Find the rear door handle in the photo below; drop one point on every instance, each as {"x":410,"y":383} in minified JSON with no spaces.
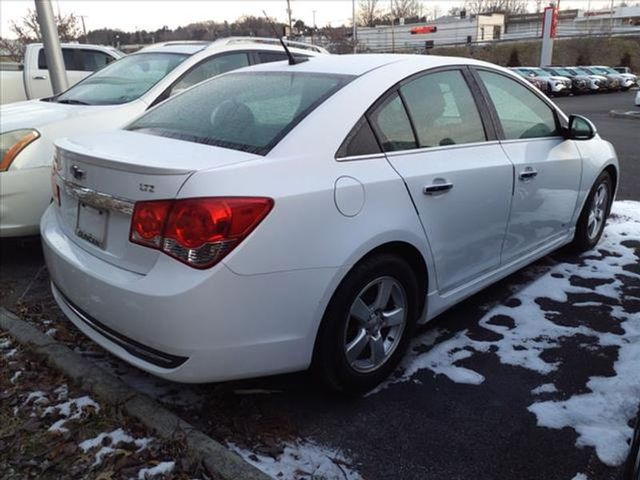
{"x":437,"y":188}
{"x":528,"y":173}
{"x":40,"y":77}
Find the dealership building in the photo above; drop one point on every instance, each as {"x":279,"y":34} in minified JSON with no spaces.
{"x":481,"y":28}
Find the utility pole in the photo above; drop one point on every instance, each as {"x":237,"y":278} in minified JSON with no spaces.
{"x":355,"y":26}
{"x":55,"y":62}
{"x":289,"y":14}
{"x":84,"y":28}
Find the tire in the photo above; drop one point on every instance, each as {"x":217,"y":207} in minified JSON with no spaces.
{"x":632,"y":470}
{"x":347,"y":325}
{"x":587,"y":235}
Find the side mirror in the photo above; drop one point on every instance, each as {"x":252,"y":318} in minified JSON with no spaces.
{"x":580,"y":128}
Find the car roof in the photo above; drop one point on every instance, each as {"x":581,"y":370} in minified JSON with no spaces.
{"x":191,"y":47}
{"x":359,"y":64}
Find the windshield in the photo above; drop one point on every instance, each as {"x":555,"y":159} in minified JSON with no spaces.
{"x":563,"y":72}
{"x":123,"y":80}
{"x":605,"y":70}
{"x":249,"y":111}
{"x":581,"y":71}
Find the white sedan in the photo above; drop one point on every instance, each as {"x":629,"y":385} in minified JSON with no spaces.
{"x":106,"y":100}
{"x":288,"y":216}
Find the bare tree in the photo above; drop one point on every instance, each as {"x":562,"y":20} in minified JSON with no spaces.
{"x":489,"y":6}
{"x":27,"y":30}
{"x":406,"y":8}
{"x":369,"y":13}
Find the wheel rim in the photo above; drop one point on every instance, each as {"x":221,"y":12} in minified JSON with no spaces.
{"x":375,"y":324}
{"x":597,"y":212}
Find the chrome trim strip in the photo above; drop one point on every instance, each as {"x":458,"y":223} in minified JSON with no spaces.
{"x":98,"y":199}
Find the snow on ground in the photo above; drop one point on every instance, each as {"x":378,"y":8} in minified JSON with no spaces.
{"x":160,"y":469}
{"x":72,"y":409}
{"x":302,"y":460}
{"x":600,"y":417}
{"x":108,"y":441}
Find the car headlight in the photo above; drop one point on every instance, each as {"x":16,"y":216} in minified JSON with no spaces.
{"x":12,"y":143}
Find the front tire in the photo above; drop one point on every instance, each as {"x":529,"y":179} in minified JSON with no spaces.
{"x":594,"y":214}
{"x":368,"y":324}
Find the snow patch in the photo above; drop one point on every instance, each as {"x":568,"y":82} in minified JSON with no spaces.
{"x":304,"y":459}
{"x":580,"y":476}
{"x":115,"y":437}
{"x":70,"y":410}
{"x":545,"y":388}
{"x":16,"y":376}
{"x":161,"y":468}
{"x":600,"y":417}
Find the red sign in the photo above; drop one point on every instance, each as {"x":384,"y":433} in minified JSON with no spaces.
{"x":554,"y":20}
{"x":425,"y":29}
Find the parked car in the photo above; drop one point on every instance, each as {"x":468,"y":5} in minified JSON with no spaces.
{"x":537,"y":82}
{"x":626,"y":80}
{"x":623,"y":70}
{"x":281,"y":217}
{"x":579,"y":83}
{"x":614,"y":81}
{"x":32,"y":80}
{"x":604,"y":84}
{"x":557,"y":85}
{"x":106,"y":100}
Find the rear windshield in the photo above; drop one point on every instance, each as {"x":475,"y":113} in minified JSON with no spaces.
{"x":250,"y":111}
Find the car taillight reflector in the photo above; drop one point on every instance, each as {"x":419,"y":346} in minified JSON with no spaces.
{"x":197,"y":231}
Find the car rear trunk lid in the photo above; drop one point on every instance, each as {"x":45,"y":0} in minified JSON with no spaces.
{"x":101,"y":177}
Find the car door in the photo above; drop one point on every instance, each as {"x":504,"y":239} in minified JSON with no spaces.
{"x":40,"y":84}
{"x":459,"y":178}
{"x":547,"y":167}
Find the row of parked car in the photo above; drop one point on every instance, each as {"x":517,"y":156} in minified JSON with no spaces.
{"x":557,"y":80}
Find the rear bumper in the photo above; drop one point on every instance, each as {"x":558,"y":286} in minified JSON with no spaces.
{"x":24,"y":196}
{"x":213,"y":324}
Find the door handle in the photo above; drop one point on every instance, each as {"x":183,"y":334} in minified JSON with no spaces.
{"x":437,"y":188}
{"x":528,"y":173}
{"x":40,"y":77}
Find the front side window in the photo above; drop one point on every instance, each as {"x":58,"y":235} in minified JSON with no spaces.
{"x":248,"y":111}
{"x":68,"y":56}
{"x":521,"y":112}
{"x":443,"y":110}
{"x":123,"y":80}
{"x":392,"y":126}
{"x":210,"y":68}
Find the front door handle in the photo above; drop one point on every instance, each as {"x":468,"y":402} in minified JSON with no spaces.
{"x":40,"y":77}
{"x":437,"y":188}
{"x":528,"y":173}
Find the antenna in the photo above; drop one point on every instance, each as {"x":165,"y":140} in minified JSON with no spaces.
{"x":292,"y":59}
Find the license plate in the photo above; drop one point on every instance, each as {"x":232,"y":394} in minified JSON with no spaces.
{"x":92,"y":224}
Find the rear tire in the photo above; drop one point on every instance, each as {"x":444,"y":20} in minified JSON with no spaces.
{"x":594,"y":214}
{"x":367,"y":325}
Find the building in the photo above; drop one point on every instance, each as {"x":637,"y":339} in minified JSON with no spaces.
{"x":447,"y":31}
{"x":572,"y":23}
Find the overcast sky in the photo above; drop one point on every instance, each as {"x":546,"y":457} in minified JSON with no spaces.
{"x":130,"y":15}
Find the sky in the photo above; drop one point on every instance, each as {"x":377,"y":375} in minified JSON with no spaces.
{"x":129,"y":15}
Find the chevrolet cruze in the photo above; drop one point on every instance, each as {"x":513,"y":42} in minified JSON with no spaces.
{"x":283,"y":217}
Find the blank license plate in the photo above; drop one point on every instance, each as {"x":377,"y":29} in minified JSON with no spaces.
{"x":92,"y":224}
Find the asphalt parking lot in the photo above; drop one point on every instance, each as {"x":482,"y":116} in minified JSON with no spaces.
{"x":526,"y":380}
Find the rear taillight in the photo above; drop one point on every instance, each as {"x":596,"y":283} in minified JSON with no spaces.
{"x":197,"y":231}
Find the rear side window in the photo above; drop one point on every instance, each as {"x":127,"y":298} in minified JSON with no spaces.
{"x":71,"y":60}
{"x":210,"y":68}
{"x":267,"y":57}
{"x":520,"y":111}
{"x":392,"y":126}
{"x":248,"y":111}
{"x":443,"y":110}
{"x":361,"y":141}
{"x":93,"y":60}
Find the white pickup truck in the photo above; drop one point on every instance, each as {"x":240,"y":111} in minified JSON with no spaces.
{"x":32,"y":79}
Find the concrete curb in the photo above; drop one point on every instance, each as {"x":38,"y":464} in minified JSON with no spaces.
{"x":634,"y":114}
{"x":111,"y":390}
